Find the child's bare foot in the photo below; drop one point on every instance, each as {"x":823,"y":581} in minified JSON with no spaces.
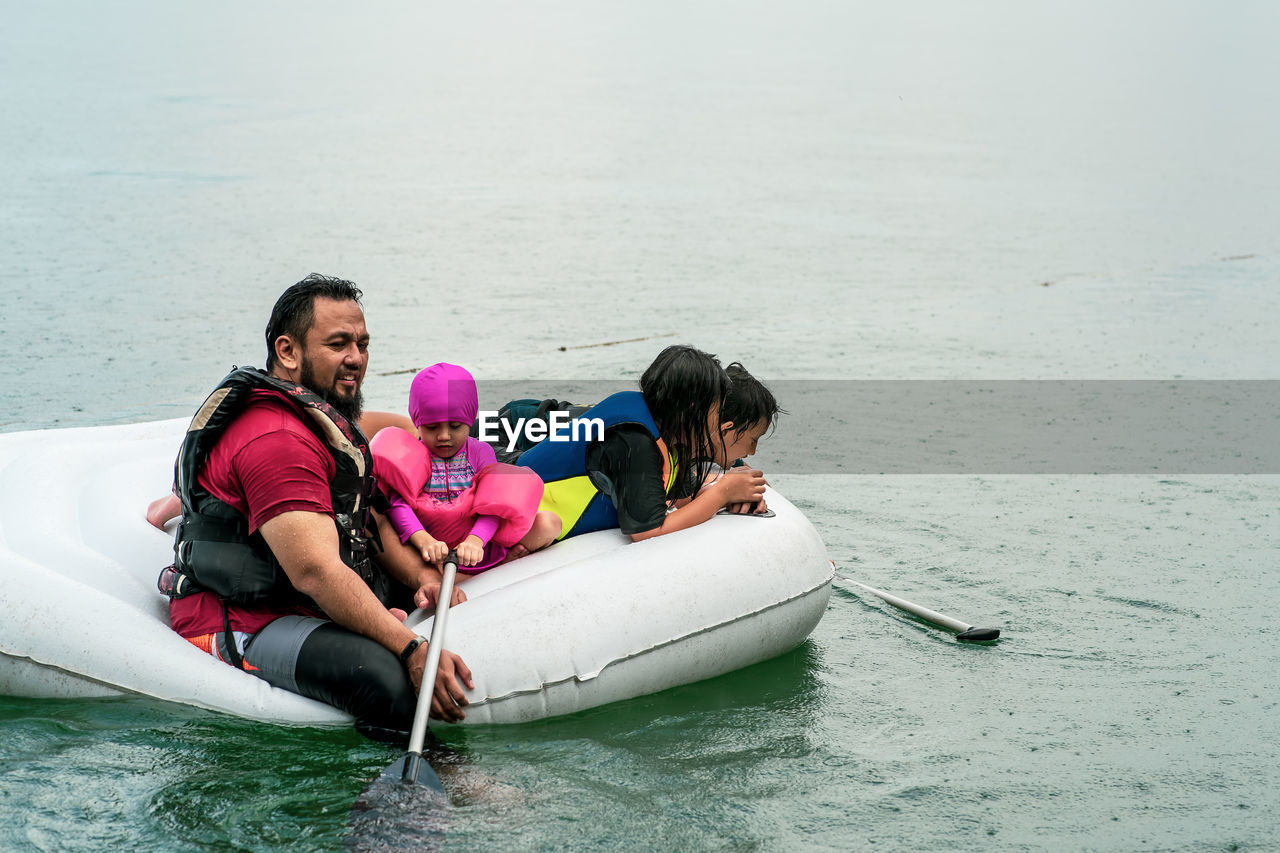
{"x":515,"y":552}
{"x":163,"y":510}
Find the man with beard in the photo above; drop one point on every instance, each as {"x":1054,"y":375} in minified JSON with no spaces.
{"x":272,"y":572}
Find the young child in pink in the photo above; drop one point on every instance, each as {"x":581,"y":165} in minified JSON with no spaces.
{"x":447,"y":490}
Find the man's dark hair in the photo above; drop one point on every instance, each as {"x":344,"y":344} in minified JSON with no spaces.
{"x":748,"y":402}
{"x":295,"y":310}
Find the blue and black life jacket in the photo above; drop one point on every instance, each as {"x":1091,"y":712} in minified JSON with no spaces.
{"x":584,"y":501}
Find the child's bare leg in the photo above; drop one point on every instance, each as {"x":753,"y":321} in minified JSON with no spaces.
{"x":545,"y":529}
{"x":163,"y":510}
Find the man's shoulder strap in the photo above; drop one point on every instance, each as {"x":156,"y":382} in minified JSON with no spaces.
{"x":343,"y":437}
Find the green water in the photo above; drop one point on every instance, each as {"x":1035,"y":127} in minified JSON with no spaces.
{"x":1129,"y":705}
{"x":825,"y":191}
{"x":94,"y":775}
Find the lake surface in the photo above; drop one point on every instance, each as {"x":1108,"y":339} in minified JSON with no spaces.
{"x":550,"y":193}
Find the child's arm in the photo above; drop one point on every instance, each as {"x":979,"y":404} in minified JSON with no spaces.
{"x":471,"y":549}
{"x":716,"y":473}
{"x":403,"y":518}
{"x":733,"y":488}
{"x":406,"y":565}
{"x":629,"y":460}
{"x":411,"y":532}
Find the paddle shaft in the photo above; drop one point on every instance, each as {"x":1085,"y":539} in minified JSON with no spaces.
{"x":963,"y":630}
{"x":924,"y":613}
{"x":418,"y":734}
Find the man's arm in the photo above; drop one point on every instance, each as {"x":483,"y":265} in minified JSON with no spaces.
{"x":306,"y":544}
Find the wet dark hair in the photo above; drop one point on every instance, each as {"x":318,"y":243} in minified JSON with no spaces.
{"x":295,"y":310}
{"x":680,"y":388}
{"x":748,"y":402}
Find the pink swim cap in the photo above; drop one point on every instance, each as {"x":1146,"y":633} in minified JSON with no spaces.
{"x":443,"y":392}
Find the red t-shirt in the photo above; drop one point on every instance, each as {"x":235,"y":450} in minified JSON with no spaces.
{"x":267,"y":463}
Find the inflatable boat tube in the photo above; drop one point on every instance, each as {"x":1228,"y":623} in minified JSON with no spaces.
{"x":591,"y":620}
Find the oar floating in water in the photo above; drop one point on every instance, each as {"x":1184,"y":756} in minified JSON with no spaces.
{"x":963,"y":630}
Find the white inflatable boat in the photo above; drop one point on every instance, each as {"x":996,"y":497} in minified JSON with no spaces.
{"x":591,"y":620}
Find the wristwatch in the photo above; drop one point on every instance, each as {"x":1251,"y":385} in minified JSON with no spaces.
{"x":411,"y":648}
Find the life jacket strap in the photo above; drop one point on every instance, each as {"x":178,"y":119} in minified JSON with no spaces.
{"x":229,"y":638}
{"x":212,"y":529}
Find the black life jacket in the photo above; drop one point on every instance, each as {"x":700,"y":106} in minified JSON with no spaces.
{"x":212,"y":546}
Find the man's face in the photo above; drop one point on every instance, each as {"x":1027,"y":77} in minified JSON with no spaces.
{"x":335,"y":354}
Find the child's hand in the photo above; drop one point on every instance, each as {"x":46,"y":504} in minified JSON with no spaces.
{"x":741,"y":485}
{"x":434,"y":551}
{"x":470,"y":551}
{"x":748,"y":508}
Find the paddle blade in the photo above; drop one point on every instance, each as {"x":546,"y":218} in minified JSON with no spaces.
{"x":413,"y":769}
{"x":979,"y":635}
{"x":395,"y":813}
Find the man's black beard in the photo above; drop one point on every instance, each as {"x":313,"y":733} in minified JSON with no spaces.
{"x":349,"y":409}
